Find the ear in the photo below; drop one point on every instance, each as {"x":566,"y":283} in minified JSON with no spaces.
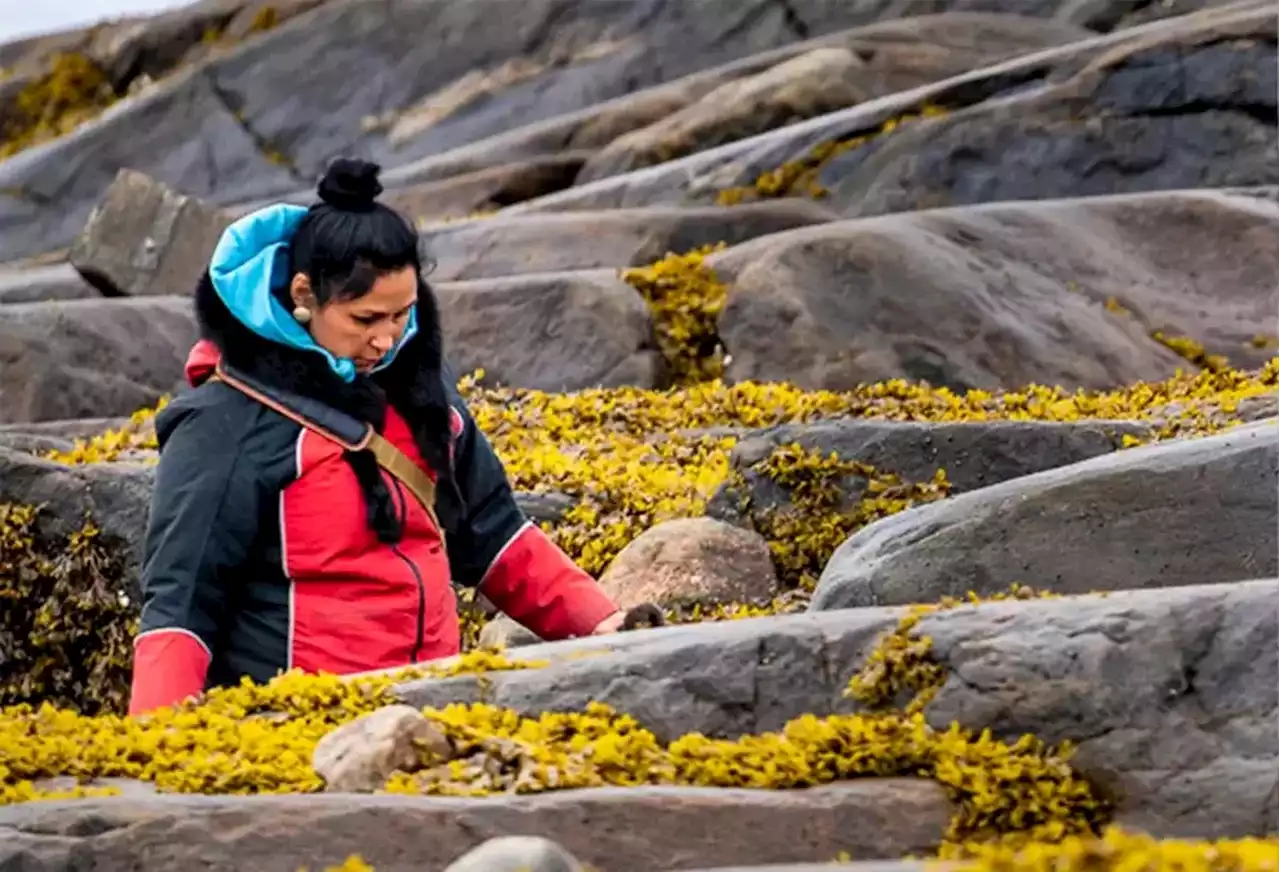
{"x":300,"y":291}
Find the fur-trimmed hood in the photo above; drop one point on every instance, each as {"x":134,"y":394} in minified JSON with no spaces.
{"x":249,"y":261}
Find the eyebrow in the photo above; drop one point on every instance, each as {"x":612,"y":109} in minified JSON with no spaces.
{"x":379,"y":313}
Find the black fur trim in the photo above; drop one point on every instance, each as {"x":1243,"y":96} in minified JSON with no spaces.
{"x":413,"y":383}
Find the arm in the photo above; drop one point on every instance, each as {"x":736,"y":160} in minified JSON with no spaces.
{"x":509,"y":558}
{"x":204,"y":512}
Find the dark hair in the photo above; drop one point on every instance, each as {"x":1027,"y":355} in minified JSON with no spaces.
{"x":348,"y":239}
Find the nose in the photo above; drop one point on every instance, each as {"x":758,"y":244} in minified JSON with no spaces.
{"x":382,"y":342}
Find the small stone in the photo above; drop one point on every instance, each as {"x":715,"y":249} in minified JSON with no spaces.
{"x":691,"y":559}
{"x":505,"y":632}
{"x":516,"y":854}
{"x":360,"y":756}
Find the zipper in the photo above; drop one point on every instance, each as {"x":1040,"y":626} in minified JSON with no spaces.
{"x":417,"y":576}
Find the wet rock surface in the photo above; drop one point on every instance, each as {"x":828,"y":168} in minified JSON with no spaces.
{"x":1183,"y":512}
{"x":627,"y":829}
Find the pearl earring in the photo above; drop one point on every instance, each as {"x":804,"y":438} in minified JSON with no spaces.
{"x":302,"y":314}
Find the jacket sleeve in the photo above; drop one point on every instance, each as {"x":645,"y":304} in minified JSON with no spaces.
{"x":512,"y":561}
{"x":203,"y":520}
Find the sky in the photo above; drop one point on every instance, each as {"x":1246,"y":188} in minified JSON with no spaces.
{"x":20,"y":18}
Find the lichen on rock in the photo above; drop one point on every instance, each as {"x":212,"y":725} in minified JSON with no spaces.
{"x":799,"y":177}
{"x":73,"y":90}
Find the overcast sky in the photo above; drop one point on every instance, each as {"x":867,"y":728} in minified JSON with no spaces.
{"x":26,"y":17}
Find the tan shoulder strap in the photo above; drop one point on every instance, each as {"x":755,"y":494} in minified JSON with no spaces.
{"x":390,"y":458}
{"x":412,"y":476}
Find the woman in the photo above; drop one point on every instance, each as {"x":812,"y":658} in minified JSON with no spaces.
{"x":272,"y":544}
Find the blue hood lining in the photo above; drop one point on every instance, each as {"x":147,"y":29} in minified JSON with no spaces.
{"x":251,"y":260}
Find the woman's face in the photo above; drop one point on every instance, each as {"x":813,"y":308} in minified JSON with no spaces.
{"x":364,"y":329}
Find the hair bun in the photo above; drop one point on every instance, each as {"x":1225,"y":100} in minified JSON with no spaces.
{"x":351,"y":185}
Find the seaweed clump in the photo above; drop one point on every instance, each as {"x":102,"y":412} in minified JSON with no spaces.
{"x":686,"y":298}
{"x":1119,"y":849}
{"x":136,"y":438}
{"x":247,"y":739}
{"x":829,"y":499}
{"x":260,"y":739}
{"x":73,"y":90}
{"x":66,"y":623}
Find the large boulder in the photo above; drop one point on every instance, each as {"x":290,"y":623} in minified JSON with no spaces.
{"x":1193,"y":511}
{"x":182,"y":134}
{"x":503,"y":246}
{"x":487,"y":190}
{"x":1170,"y":695}
{"x":690,"y":560}
{"x":632,"y":829}
{"x":91,"y":358}
{"x":550,"y":331}
{"x":146,"y":239}
{"x":1066,"y":292}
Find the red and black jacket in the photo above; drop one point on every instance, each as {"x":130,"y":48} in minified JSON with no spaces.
{"x":270,"y":547}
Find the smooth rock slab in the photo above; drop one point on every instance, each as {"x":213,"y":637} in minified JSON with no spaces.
{"x":973,"y":454}
{"x":91,"y":358}
{"x":550,"y":331}
{"x":615,"y":829}
{"x":1170,"y":694}
{"x":1054,"y":292}
{"x":58,"y":281}
{"x":1189,"y":511}
{"x":1170,"y":697}
{"x":502,"y":245}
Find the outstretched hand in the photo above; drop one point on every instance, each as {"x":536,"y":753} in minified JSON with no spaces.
{"x":643,"y":615}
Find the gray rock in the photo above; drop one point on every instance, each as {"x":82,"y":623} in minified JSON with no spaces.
{"x":974,"y":454}
{"x":1005,"y":294}
{"x":503,"y":246}
{"x":114,"y":496}
{"x":360,"y":755}
{"x":687,"y":560}
{"x":1167,"y":692}
{"x":1121,"y":117}
{"x":91,"y":358}
{"x":37,"y":284}
{"x":549,"y":507}
{"x":182,"y":134}
{"x":146,"y":239}
{"x":516,"y":854}
{"x":901,"y":50}
{"x":700,"y":177}
{"x":1170,"y":697}
{"x":1192,"y":511}
{"x":550,"y":331}
{"x":619,"y":829}
{"x":505,"y":632}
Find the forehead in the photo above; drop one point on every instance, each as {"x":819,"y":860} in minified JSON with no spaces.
{"x":390,"y":292}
